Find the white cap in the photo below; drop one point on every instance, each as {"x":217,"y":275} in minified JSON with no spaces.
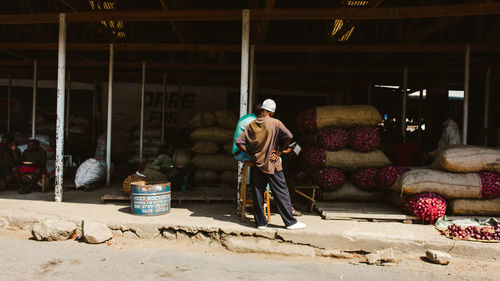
{"x":269,"y":105}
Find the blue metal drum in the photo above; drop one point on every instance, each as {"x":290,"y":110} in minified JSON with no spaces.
{"x":149,"y":198}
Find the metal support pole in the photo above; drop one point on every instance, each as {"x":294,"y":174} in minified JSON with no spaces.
{"x":141,"y":135}
{"x":61,"y":76}
{"x":420,"y":112}
{"x":68,"y":93}
{"x":163,"y":108}
{"x":33,"y":111}
{"x":110,"y":116}
{"x":369,"y":92}
{"x":245,"y":44}
{"x":403,"y":105}
{"x":251,"y":82}
{"x":9,"y":98}
{"x":466,"y":95}
{"x":487,"y":92}
{"x":94,"y":112}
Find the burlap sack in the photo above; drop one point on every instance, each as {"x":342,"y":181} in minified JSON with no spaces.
{"x":228,"y":148}
{"x":448,"y":185}
{"x":181,"y":157}
{"x":350,"y":160}
{"x":215,"y":162}
{"x":347,"y":116}
{"x":205,"y":176}
{"x":470,"y":207}
{"x":229,"y":177}
{"x":349,"y":192}
{"x":129,"y":180}
{"x":205,"y":147}
{"x":203,"y":119}
{"x":467,"y":159}
{"x":226,"y":118}
{"x":214,"y":134}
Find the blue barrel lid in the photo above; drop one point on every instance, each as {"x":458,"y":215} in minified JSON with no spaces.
{"x":143,"y":187}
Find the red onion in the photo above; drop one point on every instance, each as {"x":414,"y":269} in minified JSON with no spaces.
{"x":364,"y":139}
{"x":332,"y":138}
{"x":329,"y":179}
{"x":388,"y":175}
{"x":474,"y":232}
{"x":314,"y":157}
{"x":306,"y":121}
{"x":365,"y":179}
{"x":491,"y":184}
{"x":427,"y":206}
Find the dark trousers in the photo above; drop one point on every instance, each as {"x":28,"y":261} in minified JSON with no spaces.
{"x":280,"y":193}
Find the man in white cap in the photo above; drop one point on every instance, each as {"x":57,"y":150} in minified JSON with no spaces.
{"x":266,"y":138}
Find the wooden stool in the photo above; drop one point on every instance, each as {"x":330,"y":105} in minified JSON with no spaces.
{"x":299,"y":190}
{"x":244,"y":202}
{"x":43,"y":182}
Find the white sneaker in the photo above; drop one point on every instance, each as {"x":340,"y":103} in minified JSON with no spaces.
{"x":262,"y":227}
{"x":297,"y":225}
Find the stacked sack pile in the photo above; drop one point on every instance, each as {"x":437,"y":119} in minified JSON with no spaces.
{"x":151,"y":143}
{"x":345,"y":141}
{"x":213,"y":142}
{"x":467,"y":177}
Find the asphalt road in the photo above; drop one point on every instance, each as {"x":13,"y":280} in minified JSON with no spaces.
{"x":135,"y":259}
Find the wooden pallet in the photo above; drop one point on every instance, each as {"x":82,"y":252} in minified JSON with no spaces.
{"x":206,"y":194}
{"x":366,"y":211}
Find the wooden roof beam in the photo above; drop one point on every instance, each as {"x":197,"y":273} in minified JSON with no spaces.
{"x":433,"y":11}
{"x":352,"y":48}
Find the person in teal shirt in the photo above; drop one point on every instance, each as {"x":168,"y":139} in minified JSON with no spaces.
{"x":240,"y":127}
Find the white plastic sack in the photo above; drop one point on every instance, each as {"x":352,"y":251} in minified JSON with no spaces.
{"x":90,"y":171}
{"x":43,"y":139}
{"x":451,"y":134}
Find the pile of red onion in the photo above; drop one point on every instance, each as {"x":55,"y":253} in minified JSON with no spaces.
{"x":388,"y":175}
{"x":364,"y":139}
{"x":365,"y":179}
{"x":332,"y":138}
{"x":329,"y":179}
{"x":474,"y":232}
{"x":427,"y":206}
{"x":314,"y":157}
{"x":491,"y":184}
{"x":306,"y":121}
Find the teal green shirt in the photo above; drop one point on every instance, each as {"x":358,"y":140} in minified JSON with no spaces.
{"x":240,"y":127}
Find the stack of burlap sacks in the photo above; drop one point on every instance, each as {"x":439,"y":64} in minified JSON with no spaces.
{"x":213,"y":143}
{"x":466,"y":176}
{"x":151,"y":143}
{"x":338,"y":150}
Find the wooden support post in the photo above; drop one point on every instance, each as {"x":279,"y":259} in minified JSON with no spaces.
{"x":141,"y":135}
{"x":68,"y":93}
{"x":61,"y":79}
{"x":33,"y":110}
{"x":109,"y":130}
{"x":163,"y":108}
{"x":9,"y":100}
{"x":245,"y":45}
{"x":487,"y":92}
{"x":466,"y":95}
{"x":403,"y":105}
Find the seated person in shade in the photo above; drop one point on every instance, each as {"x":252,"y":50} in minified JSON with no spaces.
{"x":33,"y":162}
{"x":10,"y":158}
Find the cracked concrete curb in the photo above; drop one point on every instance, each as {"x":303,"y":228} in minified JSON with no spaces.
{"x":273,"y":241}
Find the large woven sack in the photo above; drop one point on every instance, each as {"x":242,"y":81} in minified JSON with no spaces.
{"x":228,"y":148}
{"x":349,"y":192}
{"x":470,"y":207}
{"x":350,"y":160}
{"x":448,"y":185}
{"x":129,"y":180}
{"x":203,"y":119}
{"x":226,"y":118}
{"x":229,"y":177}
{"x":345,"y":116}
{"x":181,"y":157}
{"x":467,"y":159}
{"x":214,"y":134}
{"x":215,"y":162}
{"x":205,"y":147}
{"x":205,"y":176}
